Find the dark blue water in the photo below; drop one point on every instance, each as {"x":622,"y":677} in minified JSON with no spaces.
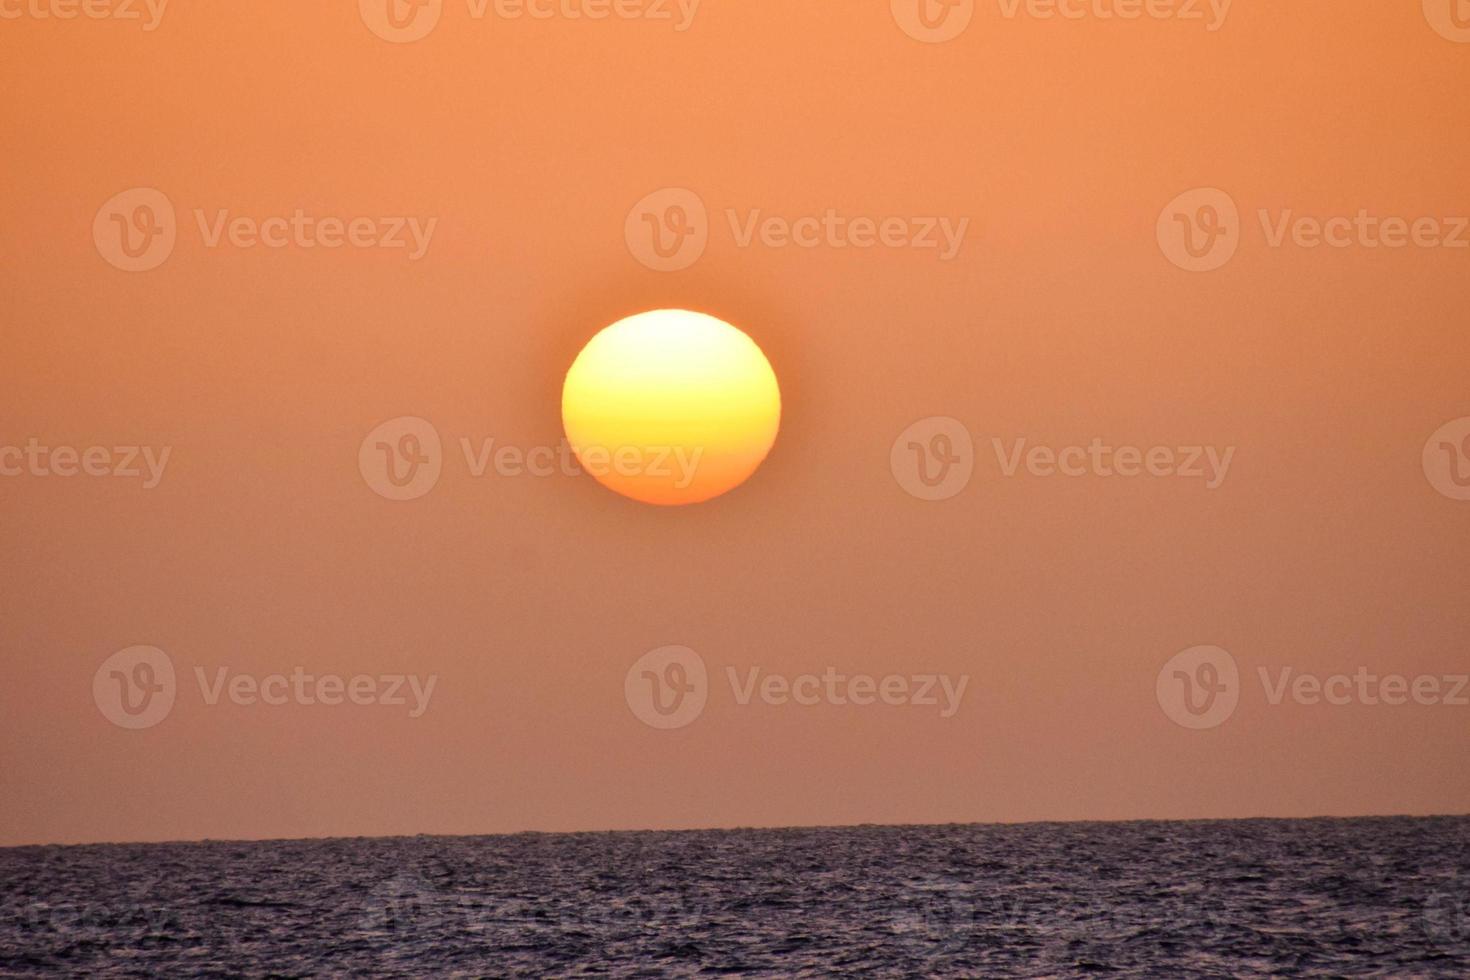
{"x":1370,"y":897}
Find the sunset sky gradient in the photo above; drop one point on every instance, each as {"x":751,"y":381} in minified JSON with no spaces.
{"x":1059,"y":321}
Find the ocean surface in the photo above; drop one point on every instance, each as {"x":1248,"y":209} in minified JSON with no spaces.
{"x":1323,"y":898}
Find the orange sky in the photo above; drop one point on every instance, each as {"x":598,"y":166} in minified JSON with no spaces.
{"x":1059,"y":319}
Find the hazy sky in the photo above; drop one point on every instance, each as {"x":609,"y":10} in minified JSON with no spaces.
{"x":1060,"y":315}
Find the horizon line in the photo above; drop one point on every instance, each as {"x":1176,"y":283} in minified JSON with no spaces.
{"x":739,"y":829}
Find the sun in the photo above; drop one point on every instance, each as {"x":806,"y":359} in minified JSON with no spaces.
{"x":671,"y":407}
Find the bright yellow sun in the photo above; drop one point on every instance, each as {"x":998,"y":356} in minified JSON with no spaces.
{"x":671,"y":407}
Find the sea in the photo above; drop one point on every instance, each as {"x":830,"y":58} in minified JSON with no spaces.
{"x":1380,"y":897}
